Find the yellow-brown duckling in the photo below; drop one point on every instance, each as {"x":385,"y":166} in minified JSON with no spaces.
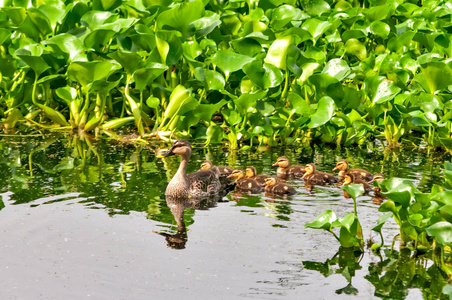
{"x":378,"y":178}
{"x":245,"y":184}
{"x":251,"y":173}
{"x":342,"y":166}
{"x":224,"y":171}
{"x":312,"y":177}
{"x":278,"y":188}
{"x":285,"y":169}
{"x":351,"y":179}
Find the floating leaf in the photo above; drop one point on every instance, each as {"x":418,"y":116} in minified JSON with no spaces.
{"x":229,"y":61}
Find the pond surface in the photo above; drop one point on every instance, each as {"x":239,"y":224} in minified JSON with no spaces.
{"x":80,"y":218}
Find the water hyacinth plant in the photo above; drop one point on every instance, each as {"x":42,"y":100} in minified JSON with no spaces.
{"x":243,"y":72}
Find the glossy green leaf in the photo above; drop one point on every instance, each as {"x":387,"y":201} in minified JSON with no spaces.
{"x":380,"y":29}
{"x":32,"y":56}
{"x":381,"y":221}
{"x":379,"y":89}
{"x":355,"y":47}
{"x":180,"y":102}
{"x":180,"y":16}
{"x":106,"y":4}
{"x":229,"y":61}
{"x":437,"y":74}
{"x":324,"y":112}
{"x":206,"y":24}
{"x":354,"y":190}
{"x":315,"y":7}
{"x":66,"y":44}
{"x":86,"y":73}
{"x":147,"y":74}
{"x":212,"y":80}
{"x":323,"y":221}
{"x":36,"y":25}
{"x":441,"y":232}
{"x":337,"y":68}
{"x":130,"y":61}
{"x":169,"y":47}
{"x":263,"y":75}
{"x":246,"y":101}
{"x":206,"y":111}
{"x":277,"y":52}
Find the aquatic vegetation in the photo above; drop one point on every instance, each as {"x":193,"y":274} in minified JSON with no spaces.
{"x":235,"y":71}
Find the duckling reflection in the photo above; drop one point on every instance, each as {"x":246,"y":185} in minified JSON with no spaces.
{"x":177,"y":206}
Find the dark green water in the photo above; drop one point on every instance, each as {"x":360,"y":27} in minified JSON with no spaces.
{"x":79,"y":219}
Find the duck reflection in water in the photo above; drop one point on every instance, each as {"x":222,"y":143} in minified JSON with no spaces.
{"x":177,"y":206}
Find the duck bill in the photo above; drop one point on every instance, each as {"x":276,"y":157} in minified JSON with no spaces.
{"x":275,"y":164}
{"x":230,"y":176}
{"x":166,"y":154}
{"x":264,"y":184}
{"x":335,"y":168}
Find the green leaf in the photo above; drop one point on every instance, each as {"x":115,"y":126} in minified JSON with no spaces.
{"x":325,"y":110}
{"x":205,"y":111}
{"x":66,"y":44}
{"x":381,"y":221}
{"x":180,"y":102}
{"x":86,"y":73}
{"x":354,"y":190}
{"x":380,"y":90}
{"x":277,"y":52}
{"x":337,"y":68}
{"x":315,"y":7}
{"x":130,"y":61}
{"x":323,"y":221}
{"x":149,"y":73}
{"x":380,"y":29}
{"x":263,"y":75}
{"x":32,"y":56}
{"x":441,"y":232}
{"x":246,"y":101}
{"x":180,"y":16}
{"x":437,"y":74}
{"x":169,"y":47}
{"x":212,"y":80}
{"x":106,"y":4}
{"x":355,"y":47}
{"x":229,"y":61}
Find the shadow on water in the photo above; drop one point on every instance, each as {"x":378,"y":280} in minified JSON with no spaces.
{"x":121,"y":178}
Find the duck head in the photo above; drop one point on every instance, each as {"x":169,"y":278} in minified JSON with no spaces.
{"x":237,"y":173}
{"x":269,"y":181}
{"x":379,"y":177}
{"x":250,"y":172}
{"x":281,"y":162}
{"x":310,"y":169}
{"x":206,"y":165}
{"x":341,"y":165}
{"x":179,"y":147}
{"x":348,"y":179}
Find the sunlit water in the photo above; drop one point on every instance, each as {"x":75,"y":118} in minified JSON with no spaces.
{"x":80,"y":219}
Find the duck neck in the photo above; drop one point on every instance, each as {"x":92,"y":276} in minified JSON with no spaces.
{"x":182,"y":167}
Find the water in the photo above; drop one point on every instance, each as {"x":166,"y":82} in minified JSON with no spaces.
{"x":83,"y":218}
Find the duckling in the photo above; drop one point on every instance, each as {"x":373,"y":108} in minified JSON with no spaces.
{"x":198,"y":184}
{"x":278,"y":188}
{"x":224,"y":171}
{"x":250,"y":172}
{"x":284,"y":169}
{"x":378,"y":178}
{"x":342,"y":166}
{"x":244,"y":184}
{"x":350,"y":178}
{"x":312,"y":177}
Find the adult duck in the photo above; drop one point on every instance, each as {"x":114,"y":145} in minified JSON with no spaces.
{"x":285,"y":169}
{"x":342,"y":166}
{"x":251,"y":173}
{"x":313,"y":177}
{"x":277,"y":188}
{"x":198,"y":184}
{"x":243,"y":184}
